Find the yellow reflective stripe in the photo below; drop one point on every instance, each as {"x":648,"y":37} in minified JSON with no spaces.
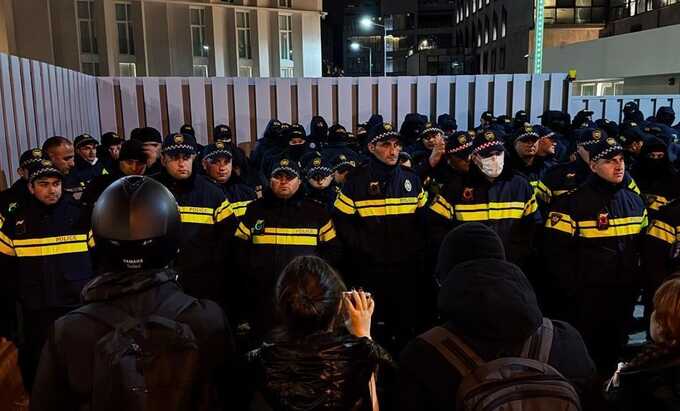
{"x":422,"y":198}
{"x":344,"y":204}
{"x":617,"y":227}
{"x":534,"y":184}
{"x":291,"y":231}
{"x":662,"y":231}
{"x":6,"y":246}
{"x":615,"y":221}
{"x":223,"y":212}
{"x":90,"y":239}
{"x":242,"y":232}
{"x":442,"y":207}
{"x":197,"y":218}
{"x":387,"y":202}
{"x":240,"y":207}
{"x":276,"y":239}
{"x":51,"y":240}
{"x":196,"y":210}
{"x":489,"y":211}
{"x":531,"y":206}
{"x":52,"y":249}
{"x":380,"y":211}
{"x":657,"y":202}
{"x":543,"y":192}
{"x":327,"y":232}
{"x":2,"y":220}
{"x":633,"y":186}
{"x":558,"y":193}
{"x":560,"y":222}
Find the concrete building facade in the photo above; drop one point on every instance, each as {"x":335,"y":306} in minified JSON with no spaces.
{"x":247,"y":38}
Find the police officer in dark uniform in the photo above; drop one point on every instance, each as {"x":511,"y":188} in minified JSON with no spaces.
{"x":318,"y":133}
{"x":59,"y":150}
{"x":109,"y":150}
{"x":559,"y":123}
{"x":427,"y":155}
{"x":379,"y":218}
{"x":338,"y":143}
{"x":522,"y":150}
{"x":152,"y":140}
{"x":269,"y":140}
{"x":491,"y":193}
{"x":320,"y":185}
{"x":632,"y":139}
{"x":592,"y":249}
{"x":218,"y":165}
{"x":18,"y":192}
{"x":341,"y":169}
{"x":274,"y":229}
{"x":87,"y":165}
{"x":658,"y":180}
{"x":207,"y":220}
{"x":294,"y":147}
{"x":661,"y":255}
{"x":45,"y":252}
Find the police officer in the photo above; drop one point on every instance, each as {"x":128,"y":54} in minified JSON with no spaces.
{"x":59,"y":150}
{"x":427,"y":154}
{"x":493,"y":194}
{"x":447,"y":123}
{"x":338,"y":143}
{"x":410,"y":129}
{"x":559,"y":123}
{"x":659,"y":182}
{"x":131,"y":161}
{"x":151,"y":139}
{"x":18,"y":192}
{"x":522,"y":156}
{"x":109,"y":150}
{"x":281,"y":225}
{"x":268,"y":141}
{"x":320,"y":185}
{"x":378,"y":215}
{"x":207,"y":219}
{"x":632,"y":140}
{"x":632,"y":113}
{"x":318,"y":133}
{"x":341,"y":169}
{"x":521,"y":118}
{"x":583,"y":119}
{"x":137,"y":225}
{"x":546,"y":152}
{"x":87,"y":165}
{"x":218,"y":165}
{"x":294,"y":147}
{"x":665,"y":117}
{"x":661,"y":255}
{"x":563,"y":178}
{"x":592,"y":250}
{"x":486,"y":121}
{"x":45,"y":247}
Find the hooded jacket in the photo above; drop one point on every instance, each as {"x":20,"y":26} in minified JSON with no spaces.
{"x":66,"y":374}
{"x":490,"y":305}
{"x":658,"y":181}
{"x":323,"y":371}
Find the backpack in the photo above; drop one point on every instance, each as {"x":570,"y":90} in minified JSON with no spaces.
{"x":525,"y":383}
{"x":148,"y":363}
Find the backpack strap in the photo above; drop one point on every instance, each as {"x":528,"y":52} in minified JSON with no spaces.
{"x":174,"y":305}
{"x":538,"y":346}
{"x":105,"y":313}
{"x":456,"y":352}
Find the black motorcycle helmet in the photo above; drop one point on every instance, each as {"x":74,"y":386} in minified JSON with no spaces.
{"x":136,"y":224}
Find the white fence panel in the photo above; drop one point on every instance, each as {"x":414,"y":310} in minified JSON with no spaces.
{"x":152,"y":102}
{"x":345,"y":102}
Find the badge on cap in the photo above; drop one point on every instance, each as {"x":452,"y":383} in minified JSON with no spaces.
{"x":342,"y":157}
{"x":462,"y":139}
{"x":489,"y":136}
{"x":468,"y":193}
{"x":528,"y":128}
{"x":597,"y":135}
{"x":633,"y":124}
{"x":387,"y":127}
{"x":611,"y":141}
{"x":179,"y":139}
{"x":36,"y":153}
{"x":407,"y":185}
{"x":46,"y":163}
{"x":316,"y":162}
{"x":219,"y":144}
{"x":284,"y":162}
{"x":353,"y":163}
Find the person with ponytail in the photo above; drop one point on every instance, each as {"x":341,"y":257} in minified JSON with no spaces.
{"x":651,"y":380}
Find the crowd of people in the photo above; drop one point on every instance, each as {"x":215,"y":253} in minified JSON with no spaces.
{"x":338,"y":270}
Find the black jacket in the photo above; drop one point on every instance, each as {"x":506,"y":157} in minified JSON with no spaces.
{"x":323,"y":371}
{"x":650,"y":382}
{"x":270,"y":234}
{"x":65,"y":375}
{"x":45,"y":253}
{"x":14,"y":196}
{"x":490,"y":305}
{"x":207,"y":224}
{"x":507,"y":205}
{"x":97,"y":186}
{"x":238,"y":193}
{"x":84,"y":172}
{"x":658,"y":181}
{"x":660,"y":251}
{"x":379,"y":214}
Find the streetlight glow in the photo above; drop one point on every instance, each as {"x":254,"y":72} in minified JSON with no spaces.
{"x":366,"y":22}
{"x":354,"y":46}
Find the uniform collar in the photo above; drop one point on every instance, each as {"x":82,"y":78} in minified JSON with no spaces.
{"x":604,"y":186}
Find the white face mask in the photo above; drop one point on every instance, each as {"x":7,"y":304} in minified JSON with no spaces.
{"x":491,"y":166}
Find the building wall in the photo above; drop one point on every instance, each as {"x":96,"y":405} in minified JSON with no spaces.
{"x":653,"y":84}
{"x":646,"y":53}
{"x":162,"y":36}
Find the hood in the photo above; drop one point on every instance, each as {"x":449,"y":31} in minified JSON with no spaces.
{"x":490,"y":299}
{"x":469,"y":241}
{"x":318,"y":129}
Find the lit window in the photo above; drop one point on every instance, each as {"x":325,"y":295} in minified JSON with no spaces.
{"x":88,"y":33}
{"x":287,"y":72}
{"x":245,"y":71}
{"x":286,"y":45}
{"x":128,"y":69}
